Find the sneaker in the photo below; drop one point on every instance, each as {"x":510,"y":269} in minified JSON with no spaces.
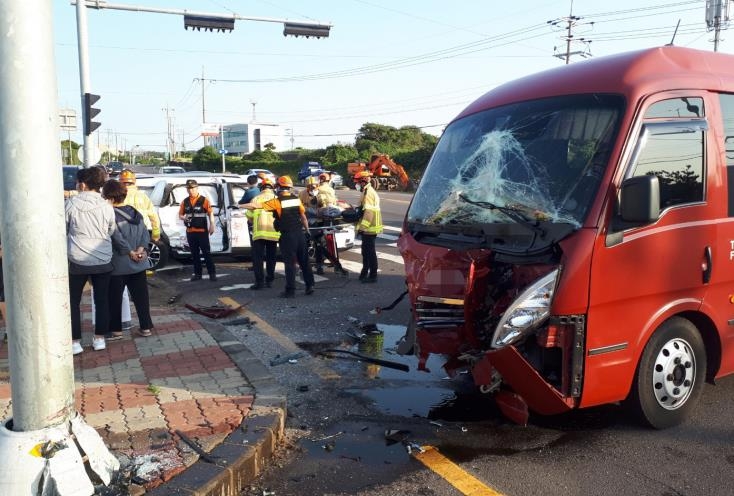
{"x":145,"y":333}
{"x":76,"y":347}
{"x":212,"y":277}
{"x":195,"y":277}
{"x":113,"y":336}
{"x":287,"y":294}
{"x":256,"y":286}
{"x":98,"y":344}
{"x":309,"y":290}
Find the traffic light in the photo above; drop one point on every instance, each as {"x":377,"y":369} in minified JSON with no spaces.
{"x":90,"y":113}
{"x":307,"y":30}
{"x":208,"y":23}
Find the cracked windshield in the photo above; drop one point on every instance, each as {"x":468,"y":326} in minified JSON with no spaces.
{"x":542,"y":160}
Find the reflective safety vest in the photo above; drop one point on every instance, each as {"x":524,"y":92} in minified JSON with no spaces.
{"x":290,"y":213}
{"x":326,"y":196}
{"x":263,"y":221}
{"x":371,"y":222}
{"x":197,"y":212}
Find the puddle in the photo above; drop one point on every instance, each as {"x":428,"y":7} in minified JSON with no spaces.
{"x":366,"y":447}
{"x":409,"y":401}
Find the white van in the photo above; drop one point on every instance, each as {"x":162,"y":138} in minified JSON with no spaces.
{"x":223,"y":192}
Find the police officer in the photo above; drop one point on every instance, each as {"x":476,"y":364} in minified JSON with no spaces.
{"x":369,"y":226}
{"x":292,"y":223}
{"x":264,"y":237}
{"x":195,"y":211}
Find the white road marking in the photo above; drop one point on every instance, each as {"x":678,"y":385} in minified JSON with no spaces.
{"x":235,"y":286}
{"x":280,"y":269}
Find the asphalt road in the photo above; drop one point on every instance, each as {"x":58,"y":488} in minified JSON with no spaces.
{"x":339,"y":408}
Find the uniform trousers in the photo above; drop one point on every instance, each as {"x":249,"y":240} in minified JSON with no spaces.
{"x":199,"y":246}
{"x":293,"y":250}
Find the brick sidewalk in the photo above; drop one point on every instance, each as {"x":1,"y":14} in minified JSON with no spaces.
{"x":140,"y":391}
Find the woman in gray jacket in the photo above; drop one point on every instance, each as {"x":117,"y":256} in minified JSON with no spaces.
{"x":90,"y":234}
{"x":128,"y":271}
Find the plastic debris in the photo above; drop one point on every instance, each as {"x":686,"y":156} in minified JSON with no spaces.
{"x":280,"y":360}
{"x":393,"y":436}
{"x":193,"y":445}
{"x":364,"y":358}
{"x":437,"y":424}
{"x":242,"y":321}
{"x":413,"y":446}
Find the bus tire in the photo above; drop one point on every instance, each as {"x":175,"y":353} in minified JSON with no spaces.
{"x":670,"y":375}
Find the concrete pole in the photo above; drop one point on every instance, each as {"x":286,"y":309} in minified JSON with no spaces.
{"x":85,"y":86}
{"x":34,"y":239}
{"x":35,"y":270}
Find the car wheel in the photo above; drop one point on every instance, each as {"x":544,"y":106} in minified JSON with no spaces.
{"x":670,"y":374}
{"x":158,"y":254}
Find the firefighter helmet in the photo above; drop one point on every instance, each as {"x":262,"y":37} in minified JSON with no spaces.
{"x":311,"y":181}
{"x":285,"y":182}
{"x":362,"y":176}
{"x":324,"y":177}
{"x":127,"y":177}
{"x":265,"y":182}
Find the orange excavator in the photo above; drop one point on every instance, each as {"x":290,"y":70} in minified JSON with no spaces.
{"x":386,"y":174}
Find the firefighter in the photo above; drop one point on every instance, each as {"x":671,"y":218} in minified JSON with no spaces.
{"x":326,"y":194}
{"x":293,"y":226}
{"x":309,"y":195}
{"x":141,"y":202}
{"x":369,"y":225}
{"x":264,"y":237}
{"x":195,"y":211}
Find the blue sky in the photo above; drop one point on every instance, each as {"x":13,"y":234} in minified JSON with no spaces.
{"x":394,"y":63}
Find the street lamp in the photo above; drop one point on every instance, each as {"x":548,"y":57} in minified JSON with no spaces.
{"x":132,"y":154}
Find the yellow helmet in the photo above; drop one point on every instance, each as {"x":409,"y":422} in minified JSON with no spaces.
{"x":311,"y":181}
{"x":127,"y":177}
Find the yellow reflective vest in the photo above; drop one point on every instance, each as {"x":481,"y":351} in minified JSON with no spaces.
{"x":141,"y":202}
{"x":263,"y":221}
{"x":371,"y":222}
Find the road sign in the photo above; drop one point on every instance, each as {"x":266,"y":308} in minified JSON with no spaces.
{"x":96,"y":154}
{"x":67,"y":119}
{"x":222,"y":151}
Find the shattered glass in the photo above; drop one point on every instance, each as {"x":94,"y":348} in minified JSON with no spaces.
{"x":542,"y":160}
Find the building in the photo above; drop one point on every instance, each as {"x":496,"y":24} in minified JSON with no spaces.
{"x":241,"y":139}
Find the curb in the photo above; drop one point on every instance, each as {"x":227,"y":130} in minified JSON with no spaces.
{"x":242,"y":456}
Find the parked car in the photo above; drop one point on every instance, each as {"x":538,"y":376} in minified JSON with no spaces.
{"x":171,"y":169}
{"x":114,"y":168}
{"x":69,"y":172}
{"x":307,"y":170}
{"x":267,"y":173}
{"x":336,"y":179}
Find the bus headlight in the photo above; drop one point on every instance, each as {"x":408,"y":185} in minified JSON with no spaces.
{"x":527,"y":312}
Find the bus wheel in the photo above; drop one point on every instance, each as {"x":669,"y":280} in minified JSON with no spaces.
{"x":670,"y":374}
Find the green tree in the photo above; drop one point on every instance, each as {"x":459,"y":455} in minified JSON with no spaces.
{"x":69,"y":155}
{"x":208,"y":159}
{"x":339,"y":156}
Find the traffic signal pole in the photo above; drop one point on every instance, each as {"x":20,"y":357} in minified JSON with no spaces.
{"x":85,"y":86}
{"x":42,"y":446}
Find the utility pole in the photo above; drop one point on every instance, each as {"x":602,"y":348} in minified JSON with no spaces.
{"x":85,"y":85}
{"x":170,"y":140}
{"x":36,"y":271}
{"x":571,"y":22}
{"x":717,"y":18}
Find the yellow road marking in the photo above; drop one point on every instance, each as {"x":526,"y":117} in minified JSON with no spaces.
{"x":323,"y":371}
{"x":453,"y":474}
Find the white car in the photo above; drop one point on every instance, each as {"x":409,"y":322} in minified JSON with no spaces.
{"x":255,"y":172}
{"x":171,"y":169}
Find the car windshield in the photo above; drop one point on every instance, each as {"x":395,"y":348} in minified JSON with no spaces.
{"x":543,"y":159}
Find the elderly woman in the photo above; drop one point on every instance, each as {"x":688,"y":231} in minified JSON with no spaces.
{"x":90,"y":234}
{"x":128,"y":271}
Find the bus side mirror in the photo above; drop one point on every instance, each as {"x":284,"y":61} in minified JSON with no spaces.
{"x":639,"y":200}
